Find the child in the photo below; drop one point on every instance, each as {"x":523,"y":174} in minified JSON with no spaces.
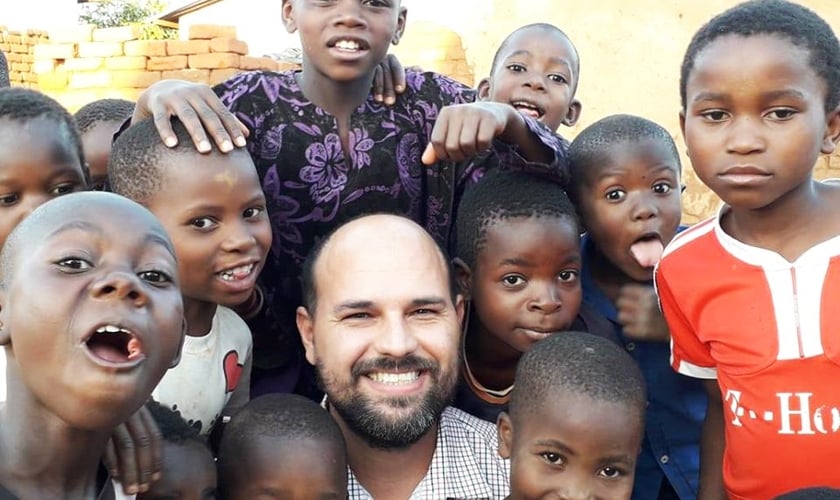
{"x":749,"y":295}
{"x":214,"y":210}
{"x":40,"y":154}
{"x":98,"y":121}
{"x":40,"y":158}
{"x":576,"y":420}
{"x":536,"y":70}
{"x":91,"y":318}
{"x":626,"y":185}
{"x":326,"y":151}
{"x":189,"y":469}
{"x":517,"y":263}
{"x":286,"y":445}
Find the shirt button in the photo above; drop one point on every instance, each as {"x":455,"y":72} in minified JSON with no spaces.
{"x":664,"y":459}
{"x":630,"y":346}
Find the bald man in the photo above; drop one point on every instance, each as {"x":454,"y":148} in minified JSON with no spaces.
{"x":381,"y":323}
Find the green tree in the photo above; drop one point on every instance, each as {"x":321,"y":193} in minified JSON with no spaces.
{"x":114,"y":13}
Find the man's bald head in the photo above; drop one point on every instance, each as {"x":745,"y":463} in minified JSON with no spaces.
{"x":371,"y":236}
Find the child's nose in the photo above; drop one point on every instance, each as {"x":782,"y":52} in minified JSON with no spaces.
{"x":744,"y":137}
{"x":534,"y":81}
{"x":547,"y":300}
{"x":644,"y":209}
{"x":348,"y":14}
{"x":240,"y":237}
{"x":119,"y":286}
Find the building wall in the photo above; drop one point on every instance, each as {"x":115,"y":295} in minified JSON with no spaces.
{"x":630,"y":52}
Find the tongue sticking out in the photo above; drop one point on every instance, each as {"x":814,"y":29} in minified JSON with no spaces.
{"x":647,"y":252}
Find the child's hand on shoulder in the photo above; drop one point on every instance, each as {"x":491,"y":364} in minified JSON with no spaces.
{"x":639,"y":314}
{"x":464,"y":130}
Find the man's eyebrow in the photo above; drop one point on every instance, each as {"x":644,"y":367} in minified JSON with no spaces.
{"x":352,"y":305}
{"x":428,"y":301}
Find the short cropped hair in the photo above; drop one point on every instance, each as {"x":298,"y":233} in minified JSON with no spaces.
{"x":139,"y":157}
{"x":545,"y":27}
{"x":502,"y":195}
{"x":798,"y":24}
{"x":173,"y":428}
{"x":277,"y":417}
{"x":307,"y":274}
{"x":811,"y":494}
{"x":25,"y":105}
{"x":4,"y":71}
{"x":590,"y":149}
{"x":102,"y":111}
{"x":577,"y":363}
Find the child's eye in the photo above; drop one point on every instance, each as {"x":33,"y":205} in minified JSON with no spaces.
{"x":513,"y":280}
{"x":611,"y":472}
{"x":713,"y":115}
{"x":781,"y":114}
{"x":375,"y":3}
{"x":568,"y":276}
{"x":253,"y":212}
{"x":616,"y":195}
{"x":516,"y":68}
{"x":74,"y":265}
{"x":557,"y":78}
{"x":662,"y":188}
{"x":62,"y":189}
{"x":155,"y":277}
{"x":552,"y":458}
{"x":203,"y":223}
{"x":9,"y":200}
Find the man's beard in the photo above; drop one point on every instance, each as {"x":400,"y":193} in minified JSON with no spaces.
{"x":364,"y":418}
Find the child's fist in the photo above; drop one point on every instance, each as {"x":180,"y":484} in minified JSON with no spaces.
{"x":464,"y":130}
{"x":639,"y":314}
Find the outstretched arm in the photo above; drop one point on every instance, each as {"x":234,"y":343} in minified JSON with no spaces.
{"x":465,"y":130}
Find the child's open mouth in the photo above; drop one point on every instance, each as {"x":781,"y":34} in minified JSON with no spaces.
{"x":237,"y":273}
{"x":348,"y":45}
{"x":114,"y":345}
{"x":647,"y":250}
{"x":528,"y":108}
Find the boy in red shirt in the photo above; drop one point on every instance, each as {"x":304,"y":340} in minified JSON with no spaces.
{"x":748,"y":295}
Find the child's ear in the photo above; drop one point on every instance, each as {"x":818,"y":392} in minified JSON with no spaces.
{"x":832,"y":132}
{"x":306,"y":329}
{"x":288,"y":15}
{"x":484,"y":89}
{"x":401,"y":18}
{"x":463,"y":276}
{"x":573,"y":114}
{"x":504,"y":428}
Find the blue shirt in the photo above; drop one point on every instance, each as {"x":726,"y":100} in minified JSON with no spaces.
{"x":676,"y":406}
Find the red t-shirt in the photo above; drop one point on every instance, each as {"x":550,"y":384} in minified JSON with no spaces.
{"x":769,"y":331}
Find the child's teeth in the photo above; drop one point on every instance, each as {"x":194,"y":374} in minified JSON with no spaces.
{"x":347,"y":45}
{"x":237,"y":272}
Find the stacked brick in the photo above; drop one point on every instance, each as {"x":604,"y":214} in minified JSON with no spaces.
{"x":19,"y":49}
{"x":435,"y":48}
{"x":80,"y":64}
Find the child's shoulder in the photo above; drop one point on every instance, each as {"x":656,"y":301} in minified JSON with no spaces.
{"x":689,"y":239}
{"x":269,"y":83}
{"x":428,"y":83}
{"x":232,"y":328}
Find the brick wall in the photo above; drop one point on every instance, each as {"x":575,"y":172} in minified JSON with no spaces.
{"x":19,"y":49}
{"x":81,"y":64}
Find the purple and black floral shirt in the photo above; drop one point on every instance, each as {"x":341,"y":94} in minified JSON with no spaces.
{"x":312,"y":186}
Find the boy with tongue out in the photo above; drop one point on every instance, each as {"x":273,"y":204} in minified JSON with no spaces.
{"x":625,"y":182}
